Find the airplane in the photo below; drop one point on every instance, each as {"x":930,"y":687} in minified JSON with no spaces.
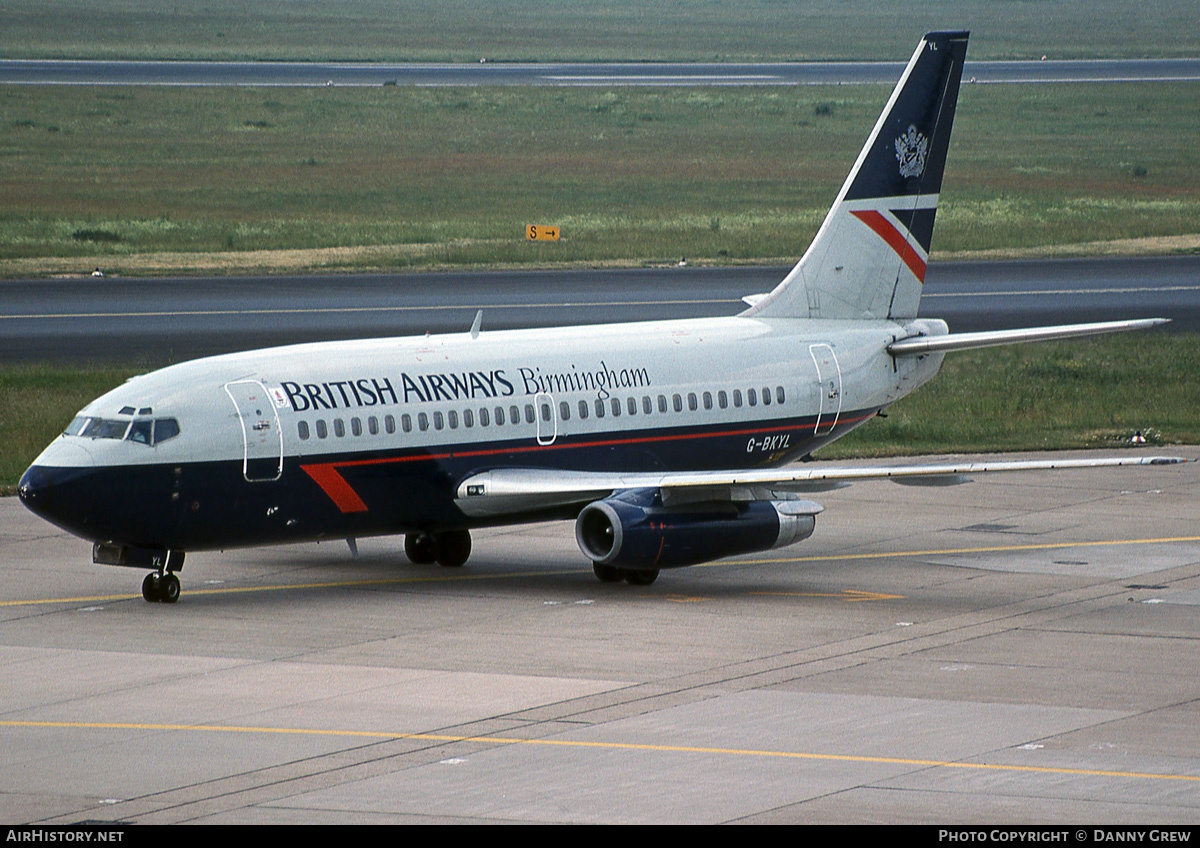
{"x":670,"y":443}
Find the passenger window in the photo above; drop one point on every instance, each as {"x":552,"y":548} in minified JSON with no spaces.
{"x":322,"y":429}
{"x":583,"y":412}
{"x":530,"y":417}
{"x":599,"y":408}
{"x":422,"y":421}
{"x":389,"y":424}
{"x":406,"y":422}
{"x":752,"y":397}
{"x":766,"y":393}
{"x":514,"y":415}
{"x":722,"y":399}
{"x":452,"y":417}
{"x":339,"y":427}
{"x":484,"y":418}
{"x":662,"y":403}
{"x":708,"y":400}
{"x":355,"y":426}
{"x":302,"y":427}
{"x":373,"y":425}
{"x":693,"y":404}
{"x":439,"y":421}
{"x":737,"y":398}
{"x":468,"y":418}
{"x":647,"y":406}
{"x":564,"y":411}
{"x":779,"y":396}
{"x":616,"y":407}
{"x":631,"y":404}
{"x":546,"y":410}
{"x":677,"y":402}
{"x":499,"y":416}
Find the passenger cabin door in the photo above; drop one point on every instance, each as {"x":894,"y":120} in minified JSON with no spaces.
{"x":262,"y":435}
{"x":829,"y":388}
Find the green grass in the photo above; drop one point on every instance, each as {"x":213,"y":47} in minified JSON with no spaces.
{"x":467,"y":30}
{"x":37,"y":402}
{"x":1073,"y":394}
{"x":452,"y":176}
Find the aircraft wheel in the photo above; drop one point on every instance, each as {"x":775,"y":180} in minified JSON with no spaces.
{"x":607,"y":573}
{"x":636,"y":577}
{"x":454,"y":548}
{"x":168,"y":589}
{"x":152,"y":587}
{"x":420,"y":548}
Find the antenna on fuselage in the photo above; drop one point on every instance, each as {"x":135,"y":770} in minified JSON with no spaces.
{"x":476,"y":324}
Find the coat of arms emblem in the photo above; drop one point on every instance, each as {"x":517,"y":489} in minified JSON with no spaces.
{"x":911,"y":148}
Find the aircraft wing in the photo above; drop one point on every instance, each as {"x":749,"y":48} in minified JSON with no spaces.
{"x":510,"y":490}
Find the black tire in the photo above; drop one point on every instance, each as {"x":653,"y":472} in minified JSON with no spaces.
{"x":607,"y":573}
{"x":168,"y":589}
{"x":637,"y":577}
{"x":152,"y":587}
{"x":454,"y":548}
{"x":420,"y":548}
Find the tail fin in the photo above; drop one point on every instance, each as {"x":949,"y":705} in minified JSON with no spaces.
{"x":868,"y":259}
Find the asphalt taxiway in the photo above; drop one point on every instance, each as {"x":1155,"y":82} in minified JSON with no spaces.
{"x":1020,"y":650}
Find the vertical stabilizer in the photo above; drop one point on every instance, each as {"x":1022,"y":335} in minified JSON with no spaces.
{"x":868,"y":259}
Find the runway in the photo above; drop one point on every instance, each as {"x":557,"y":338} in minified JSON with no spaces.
{"x":1016,"y":650}
{"x":608,"y":74}
{"x":158,"y":320}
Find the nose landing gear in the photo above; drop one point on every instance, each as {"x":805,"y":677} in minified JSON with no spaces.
{"x":161,"y":587}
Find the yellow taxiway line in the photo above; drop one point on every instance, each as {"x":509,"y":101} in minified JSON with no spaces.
{"x":849,"y":594}
{"x":617,"y":746}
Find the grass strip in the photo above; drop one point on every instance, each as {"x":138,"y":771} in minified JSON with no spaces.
{"x":152,"y":180}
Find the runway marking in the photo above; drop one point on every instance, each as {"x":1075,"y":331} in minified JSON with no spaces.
{"x":611,"y":746}
{"x":339,"y":310}
{"x":848,"y":594}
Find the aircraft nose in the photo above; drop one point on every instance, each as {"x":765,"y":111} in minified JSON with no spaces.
{"x":36,"y":487}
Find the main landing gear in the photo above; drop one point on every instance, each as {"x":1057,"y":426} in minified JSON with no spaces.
{"x":159,"y":586}
{"x":632,"y":576}
{"x":451,"y":548}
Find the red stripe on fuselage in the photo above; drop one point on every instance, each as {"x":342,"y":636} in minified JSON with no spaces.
{"x":896,"y":240}
{"x":334,"y":484}
{"x":329,"y":478}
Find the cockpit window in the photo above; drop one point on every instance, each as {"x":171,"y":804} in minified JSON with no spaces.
{"x":165,"y":428}
{"x":105,"y":428}
{"x":145,"y":431}
{"x":142,"y":431}
{"x":76,"y":426}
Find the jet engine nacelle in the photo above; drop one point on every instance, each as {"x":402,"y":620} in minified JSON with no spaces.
{"x":634,"y":530}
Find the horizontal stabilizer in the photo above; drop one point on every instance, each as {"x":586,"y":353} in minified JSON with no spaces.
{"x":916,"y":345}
